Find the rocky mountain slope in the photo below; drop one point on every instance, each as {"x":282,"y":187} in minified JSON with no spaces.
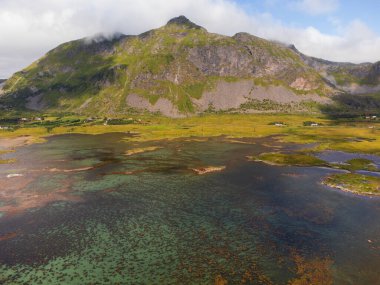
{"x":181,"y":69}
{"x":353,"y":78}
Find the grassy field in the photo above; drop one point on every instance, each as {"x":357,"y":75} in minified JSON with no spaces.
{"x":351,"y":136}
{"x":296,"y":159}
{"x":303,"y":158}
{"x":359,"y":164}
{"x":355,"y":183}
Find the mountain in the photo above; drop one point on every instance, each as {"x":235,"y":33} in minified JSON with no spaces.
{"x":2,"y":83}
{"x":353,"y":78}
{"x":178,"y":70}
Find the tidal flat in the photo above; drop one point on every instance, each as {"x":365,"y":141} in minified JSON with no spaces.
{"x":76,"y":209}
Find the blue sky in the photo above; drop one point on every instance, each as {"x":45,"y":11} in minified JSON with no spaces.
{"x":338,"y":30}
{"x":342,"y":12}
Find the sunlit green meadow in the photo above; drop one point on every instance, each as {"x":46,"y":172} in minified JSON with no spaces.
{"x":363,"y":137}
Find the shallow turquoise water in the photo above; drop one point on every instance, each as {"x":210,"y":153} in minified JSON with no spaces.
{"x":149,"y":219}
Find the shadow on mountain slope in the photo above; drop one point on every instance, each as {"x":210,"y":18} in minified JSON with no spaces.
{"x":348,"y":105}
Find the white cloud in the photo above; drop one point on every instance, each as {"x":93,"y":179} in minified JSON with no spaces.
{"x":31,"y":28}
{"x":316,"y":7}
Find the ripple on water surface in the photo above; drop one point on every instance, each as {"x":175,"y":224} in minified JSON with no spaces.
{"x":147,"y":218}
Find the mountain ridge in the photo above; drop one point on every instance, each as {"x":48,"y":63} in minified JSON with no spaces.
{"x":180,"y":69}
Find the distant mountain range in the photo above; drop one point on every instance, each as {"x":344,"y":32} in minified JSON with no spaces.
{"x":181,"y":69}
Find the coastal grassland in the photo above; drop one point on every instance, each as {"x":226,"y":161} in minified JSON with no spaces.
{"x":303,"y":158}
{"x":355,"y":183}
{"x":359,"y":164}
{"x":350,"y":137}
{"x":141,"y":150}
{"x":296,"y":159}
{"x":361,"y":137}
{"x":5,"y":161}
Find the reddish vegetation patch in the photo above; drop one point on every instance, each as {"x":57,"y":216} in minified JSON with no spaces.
{"x":109,"y":190}
{"x":315,"y":271}
{"x":11,"y":143}
{"x":13,"y":184}
{"x":71,"y":170}
{"x":123,"y":173}
{"x":17,"y":200}
{"x":8,"y":236}
{"x":219,"y":280}
{"x":208,"y":169}
{"x":25,"y":202}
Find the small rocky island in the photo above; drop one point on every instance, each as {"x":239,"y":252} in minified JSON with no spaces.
{"x":208,"y":169}
{"x":141,"y":150}
{"x":354,"y":183}
{"x":349,"y":181}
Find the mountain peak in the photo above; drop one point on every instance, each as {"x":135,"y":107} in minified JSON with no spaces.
{"x":183,"y":21}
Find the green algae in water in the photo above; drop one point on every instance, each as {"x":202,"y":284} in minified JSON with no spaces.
{"x":163,"y":225}
{"x":103,"y":183}
{"x":136,"y":248}
{"x":47,"y":183}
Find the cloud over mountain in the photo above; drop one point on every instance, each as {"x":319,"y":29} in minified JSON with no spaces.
{"x":31,"y":28}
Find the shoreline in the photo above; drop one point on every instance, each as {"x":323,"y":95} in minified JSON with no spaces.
{"x":9,"y":144}
{"x":354,"y":183}
{"x":351,"y":137}
{"x":347,"y":190}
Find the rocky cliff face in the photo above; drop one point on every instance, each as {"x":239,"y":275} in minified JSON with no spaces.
{"x":179,"y":69}
{"x":352,"y":78}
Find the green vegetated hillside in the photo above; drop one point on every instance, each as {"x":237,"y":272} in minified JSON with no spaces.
{"x":181,"y":69}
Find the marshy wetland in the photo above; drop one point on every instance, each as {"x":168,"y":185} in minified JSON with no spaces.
{"x":113,"y":209}
{"x":181,"y":156}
